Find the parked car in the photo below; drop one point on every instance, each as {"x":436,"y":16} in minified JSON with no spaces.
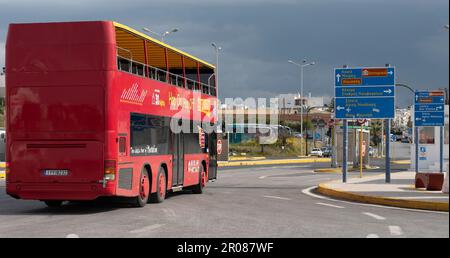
{"x":316,"y":152}
{"x":406,"y":140}
{"x":326,"y":152}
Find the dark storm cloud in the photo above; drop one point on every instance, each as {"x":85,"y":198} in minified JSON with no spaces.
{"x":259,"y":36}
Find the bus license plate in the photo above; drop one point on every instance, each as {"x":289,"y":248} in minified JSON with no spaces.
{"x":56,"y":172}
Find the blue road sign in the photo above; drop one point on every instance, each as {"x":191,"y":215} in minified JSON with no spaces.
{"x":429,"y":108}
{"x":364,"y":76}
{"x":351,"y":92}
{"x":429,"y":118}
{"x":368,"y":108}
{"x":365,"y":93}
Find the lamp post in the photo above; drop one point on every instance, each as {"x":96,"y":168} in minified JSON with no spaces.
{"x":161,"y":35}
{"x":217,"y":50}
{"x":301,"y":66}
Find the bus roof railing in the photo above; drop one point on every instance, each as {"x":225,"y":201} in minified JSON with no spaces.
{"x":167,"y":77}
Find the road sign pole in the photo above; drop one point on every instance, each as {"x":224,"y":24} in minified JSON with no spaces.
{"x":416,"y":140}
{"x":334,"y":158}
{"x":345,"y":152}
{"x":388,"y":157}
{"x":441,"y":147}
{"x":361,"y":152}
{"x":382,"y":139}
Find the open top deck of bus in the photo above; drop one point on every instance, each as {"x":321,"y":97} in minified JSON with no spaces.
{"x":145,"y":36}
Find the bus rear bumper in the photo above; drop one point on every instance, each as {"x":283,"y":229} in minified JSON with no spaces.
{"x":59,"y":191}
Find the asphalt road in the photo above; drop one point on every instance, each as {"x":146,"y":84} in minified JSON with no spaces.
{"x":243,"y":202}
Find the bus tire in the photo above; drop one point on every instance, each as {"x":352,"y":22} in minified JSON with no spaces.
{"x":198,"y":189}
{"x":161,"y":187}
{"x":53,"y":204}
{"x":144,"y":189}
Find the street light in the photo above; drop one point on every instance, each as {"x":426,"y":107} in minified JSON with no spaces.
{"x":301,"y":66}
{"x":161,"y":35}
{"x":217,"y":49}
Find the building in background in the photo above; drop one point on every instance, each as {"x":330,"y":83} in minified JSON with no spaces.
{"x":402,"y":118}
{"x":291,"y":104}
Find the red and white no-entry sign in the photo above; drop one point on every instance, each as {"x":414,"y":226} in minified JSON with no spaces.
{"x":219,"y":147}
{"x":361,"y":121}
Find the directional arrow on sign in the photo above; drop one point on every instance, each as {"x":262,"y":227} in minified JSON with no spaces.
{"x":391,"y":72}
{"x":376,"y":110}
{"x":338,"y":76}
{"x":340,"y":108}
{"x":388,"y":91}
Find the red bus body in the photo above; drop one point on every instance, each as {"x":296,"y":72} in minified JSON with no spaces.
{"x":72,"y":114}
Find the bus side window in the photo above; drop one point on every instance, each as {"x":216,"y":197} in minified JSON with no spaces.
{"x":122,"y":146}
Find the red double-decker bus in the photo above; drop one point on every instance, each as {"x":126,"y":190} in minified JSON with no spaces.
{"x":94,"y":108}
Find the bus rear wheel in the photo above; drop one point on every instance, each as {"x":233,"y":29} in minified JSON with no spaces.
{"x":198,"y":189}
{"x":161,"y":188}
{"x":144,"y":190}
{"x":53,"y":204}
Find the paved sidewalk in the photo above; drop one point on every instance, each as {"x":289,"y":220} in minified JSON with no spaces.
{"x":399,"y":193}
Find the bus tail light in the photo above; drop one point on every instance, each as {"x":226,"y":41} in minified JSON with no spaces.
{"x":110,"y":170}
{"x":7,"y":170}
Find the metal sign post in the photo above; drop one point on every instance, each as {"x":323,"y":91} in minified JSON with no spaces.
{"x":388,"y":151}
{"x":441,"y":147}
{"x":361,"y":153}
{"x":416,"y":140}
{"x":345,"y":153}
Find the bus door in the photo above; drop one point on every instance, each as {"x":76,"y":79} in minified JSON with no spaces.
{"x":212,"y":171}
{"x":178,"y":159}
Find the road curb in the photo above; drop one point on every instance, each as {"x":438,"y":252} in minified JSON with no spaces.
{"x":328,"y":170}
{"x":246,"y":158}
{"x":339,"y":170}
{"x":379,"y":200}
{"x":273,"y":162}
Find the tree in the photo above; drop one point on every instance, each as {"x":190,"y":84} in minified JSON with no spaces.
{"x":375,"y":131}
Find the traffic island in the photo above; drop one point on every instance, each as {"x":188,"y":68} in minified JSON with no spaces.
{"x":266,"y":162}
{"x":399,"y":193}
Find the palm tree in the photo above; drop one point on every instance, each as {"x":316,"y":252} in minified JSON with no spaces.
{"x":376,"y":127}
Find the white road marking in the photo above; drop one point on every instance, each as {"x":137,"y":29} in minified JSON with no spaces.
{"x":308,"y":192}
{"x":372,"y":236}
{"x":375,"y":216}
{"x":395,"y":230}
{"x":277,"y":197}
{"x":330,"y":205}
{"x":148,"y":228}
{"x":72,"y":236}
{"x":262,"y":177}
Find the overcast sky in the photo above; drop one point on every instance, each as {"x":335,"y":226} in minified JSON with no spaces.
{"x":259,"y":36}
